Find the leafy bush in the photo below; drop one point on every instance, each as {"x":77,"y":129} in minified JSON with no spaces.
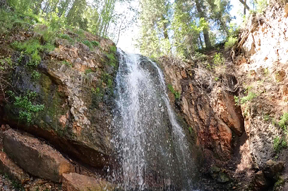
{"x":87,"y":71}
{"x":66,"y":36}
{"x":230,"y":42}
{"x":113,"y":49}
{"x":236,"y":99}
{"x":27,"y":109}
{"x":218,"y":59}
{"x":35,"y":75}
{"x":88,"y":43}
{"x":249,"y":97}
{"x":32,"y":47}
{"x":95,"y":43}
{"x":283,"y":121}
{"x":279,"y":144}
{"x":176,"y":94}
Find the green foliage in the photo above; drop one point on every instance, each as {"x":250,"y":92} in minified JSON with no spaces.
{"x":199,"y":56}
{"x":35,"y":75}
{"x":88,"y":43}
{"x":32,"y":47}
{"x":66,"y":36}
{"x":87,"y":71}
{"x":26,"y":108}
{"x":266,"y":117}
{"x":279,"y":144}
{"x":95,"y":43}
{"x":176,"y":94}
{"x":283,"y":121}
{"x":249,"y":97}
{"x":112,"y":59}
{"x":66,"y":63}
{"x":261,"y":5}
{"x":230,"y":42}
{"x":113,"y":49}
{"x":107,"y":79}
{"x":218,"y":59}
{"x":236,"y":99}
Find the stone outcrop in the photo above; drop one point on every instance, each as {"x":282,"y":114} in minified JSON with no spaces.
{"x":77,"y":182}
{"x":7,"y":166}
{"x":208,"y":107}
{"x":237,"y":110}
{"x":35,"y":157}
{"x":73,"y":85}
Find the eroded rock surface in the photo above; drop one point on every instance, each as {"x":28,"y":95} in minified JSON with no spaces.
{"x":35,"y":157}
{"x":77,"y":182}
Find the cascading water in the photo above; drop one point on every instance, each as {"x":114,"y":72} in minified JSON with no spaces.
{"x":151,"y":145}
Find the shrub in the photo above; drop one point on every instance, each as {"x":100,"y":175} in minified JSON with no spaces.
{"x":95,"y":43}
{"x":27,"y":109}
{"x":230,"y":42}
{"x":249,"y":97}
{"x":66,"y":36}
{"x":35,"y":75}
{"x":176,"y":94}
{"x":279,"y":144}
{"x":88,"y":43}
{"x":218,"y":59}
{"x":283,"y":121}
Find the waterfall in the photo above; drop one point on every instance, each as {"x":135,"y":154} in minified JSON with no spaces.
{"x":152,"y":148}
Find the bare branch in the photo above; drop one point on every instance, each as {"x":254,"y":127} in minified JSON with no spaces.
{"x":245,"y":5}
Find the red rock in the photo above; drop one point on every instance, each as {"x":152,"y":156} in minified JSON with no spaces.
{"x":7,"y":166}
{"x":35,"y":157}
{"x":78,"y":182}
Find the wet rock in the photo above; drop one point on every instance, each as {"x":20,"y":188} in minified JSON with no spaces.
{"x":7,"y":166}
{"x":280,"y":75}
{"x":223,"y":177}
{"x":35,"y":157}
{"x":77,"y":182}
{"x":260,"y":181}
{"x":272,"y":169}
{"x":231,"y":113}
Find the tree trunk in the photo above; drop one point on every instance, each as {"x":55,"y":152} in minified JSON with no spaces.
{"x":245,"y":5}
{"x":205,"y":30}
{"x":200,"y":40}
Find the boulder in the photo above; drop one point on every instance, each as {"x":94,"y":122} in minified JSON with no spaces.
{"x":272,"y":168}
{"x":35,"y":157}
{"x":7,"y":166}
{"x":260,"y":181}
{"x":78,"y":182}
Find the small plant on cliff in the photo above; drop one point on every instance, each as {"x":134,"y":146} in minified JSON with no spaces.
{"x":279,"y":144}
{"x":112,"y":59}
{"x":35,"y":75}
{"x":32,"y":47}
{"x":230,"y":42}
{"x":67,"y":37}
{"x":176,"y":94}
{"x":87,"y":71}
{"x":26,"y":108}
{"x":218,"y":59}
{"x":236,"y":99}
{"x":283,"y":121}
{"x":249,"y":97}
{"x":88,"y":43}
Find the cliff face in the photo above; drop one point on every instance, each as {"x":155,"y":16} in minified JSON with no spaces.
{"x":64,"y":94}
{"x":236,"y":104}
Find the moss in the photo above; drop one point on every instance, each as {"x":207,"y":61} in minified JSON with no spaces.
{"x":53,"y":101}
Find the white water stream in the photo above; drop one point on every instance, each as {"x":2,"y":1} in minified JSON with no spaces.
{"x":152,"y":146}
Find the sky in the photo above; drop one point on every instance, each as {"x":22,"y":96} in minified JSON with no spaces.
{"x":127,"y":39}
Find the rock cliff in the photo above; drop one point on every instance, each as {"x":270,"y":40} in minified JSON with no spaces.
{"x":235,"y":104}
